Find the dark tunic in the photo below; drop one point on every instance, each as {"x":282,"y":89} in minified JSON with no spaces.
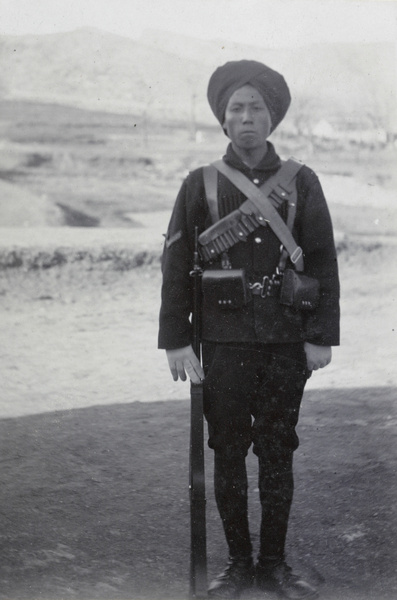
{"x":262,"y":320}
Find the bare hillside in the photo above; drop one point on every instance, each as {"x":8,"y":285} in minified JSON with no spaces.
{"x":166,"y":75}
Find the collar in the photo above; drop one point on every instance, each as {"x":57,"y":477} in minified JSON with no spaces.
{"x":269,"y":163}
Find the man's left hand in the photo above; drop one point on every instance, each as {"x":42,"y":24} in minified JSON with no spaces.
{"x":317,"y":357}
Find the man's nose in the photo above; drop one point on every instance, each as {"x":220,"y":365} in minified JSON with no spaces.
{"x":247,"y":115}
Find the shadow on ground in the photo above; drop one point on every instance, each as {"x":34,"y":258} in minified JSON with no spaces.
{"x":95,"y":502}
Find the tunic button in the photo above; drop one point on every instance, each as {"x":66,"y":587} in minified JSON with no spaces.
{"x":256,"y":181}
{"x":258,"y":240}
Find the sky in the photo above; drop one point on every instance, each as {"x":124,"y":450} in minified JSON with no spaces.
{"x":270,"y":23}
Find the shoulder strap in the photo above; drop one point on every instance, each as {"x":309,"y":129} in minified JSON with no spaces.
{"x":283,"y":184}
{"x":210,"y":175}
{"x":292,"y":204}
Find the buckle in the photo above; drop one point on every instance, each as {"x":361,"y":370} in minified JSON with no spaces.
{"x":296,"y":255}
{"x":256,"y":288}
{"x":266,"y":287}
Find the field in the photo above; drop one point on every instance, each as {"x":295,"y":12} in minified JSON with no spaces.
{"x":98,"y":169}
{"x":94,"y":433}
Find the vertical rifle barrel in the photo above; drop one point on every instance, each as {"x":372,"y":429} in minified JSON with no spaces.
{"x":198,"y":551}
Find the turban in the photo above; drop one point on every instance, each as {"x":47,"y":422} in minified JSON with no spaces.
{"x":235,"y":74}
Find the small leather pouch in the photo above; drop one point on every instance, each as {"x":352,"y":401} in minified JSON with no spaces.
{"x":225,"y":288}
{"x":299,"y":291}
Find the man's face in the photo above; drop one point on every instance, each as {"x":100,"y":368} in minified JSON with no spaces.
{"x":247,"y":119}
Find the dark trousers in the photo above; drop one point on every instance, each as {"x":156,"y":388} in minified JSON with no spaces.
{"x":252,"y":395}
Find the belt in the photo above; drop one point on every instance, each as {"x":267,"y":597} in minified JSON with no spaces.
{"x":269,"y":286}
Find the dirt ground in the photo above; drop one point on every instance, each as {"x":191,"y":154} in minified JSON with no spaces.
{"x":94,"y":442}
{"x":95,"y":501}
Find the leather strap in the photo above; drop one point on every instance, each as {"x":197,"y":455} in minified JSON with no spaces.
{"x":281,"y":184}
{"x":292,"y":205}
{"x":211,"y":190}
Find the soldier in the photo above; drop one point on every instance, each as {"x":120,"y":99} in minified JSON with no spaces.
{"x":257,"y":351}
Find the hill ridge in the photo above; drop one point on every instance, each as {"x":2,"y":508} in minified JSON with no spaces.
{"x":165,"y":76}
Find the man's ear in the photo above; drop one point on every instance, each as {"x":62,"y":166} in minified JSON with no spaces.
{"x":224,"y":129}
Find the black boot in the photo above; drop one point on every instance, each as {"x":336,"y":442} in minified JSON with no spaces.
{"x":238,"y":575}
{"x":279,"y":578}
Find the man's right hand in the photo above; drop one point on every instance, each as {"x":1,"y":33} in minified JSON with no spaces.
{"x":183,"y":361}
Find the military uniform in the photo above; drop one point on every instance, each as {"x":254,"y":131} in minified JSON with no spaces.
{"x":253,"y":356}
{"x":263,"y":320}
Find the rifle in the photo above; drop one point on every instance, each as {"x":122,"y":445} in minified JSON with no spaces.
{"x":198,"y":548}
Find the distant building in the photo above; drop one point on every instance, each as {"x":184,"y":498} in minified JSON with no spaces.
{"x":353,"y":131}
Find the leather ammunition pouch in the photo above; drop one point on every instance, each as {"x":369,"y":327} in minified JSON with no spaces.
{"x":299,"y":291}
{"x":227,"y":232}
{"x":225,"y":288}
